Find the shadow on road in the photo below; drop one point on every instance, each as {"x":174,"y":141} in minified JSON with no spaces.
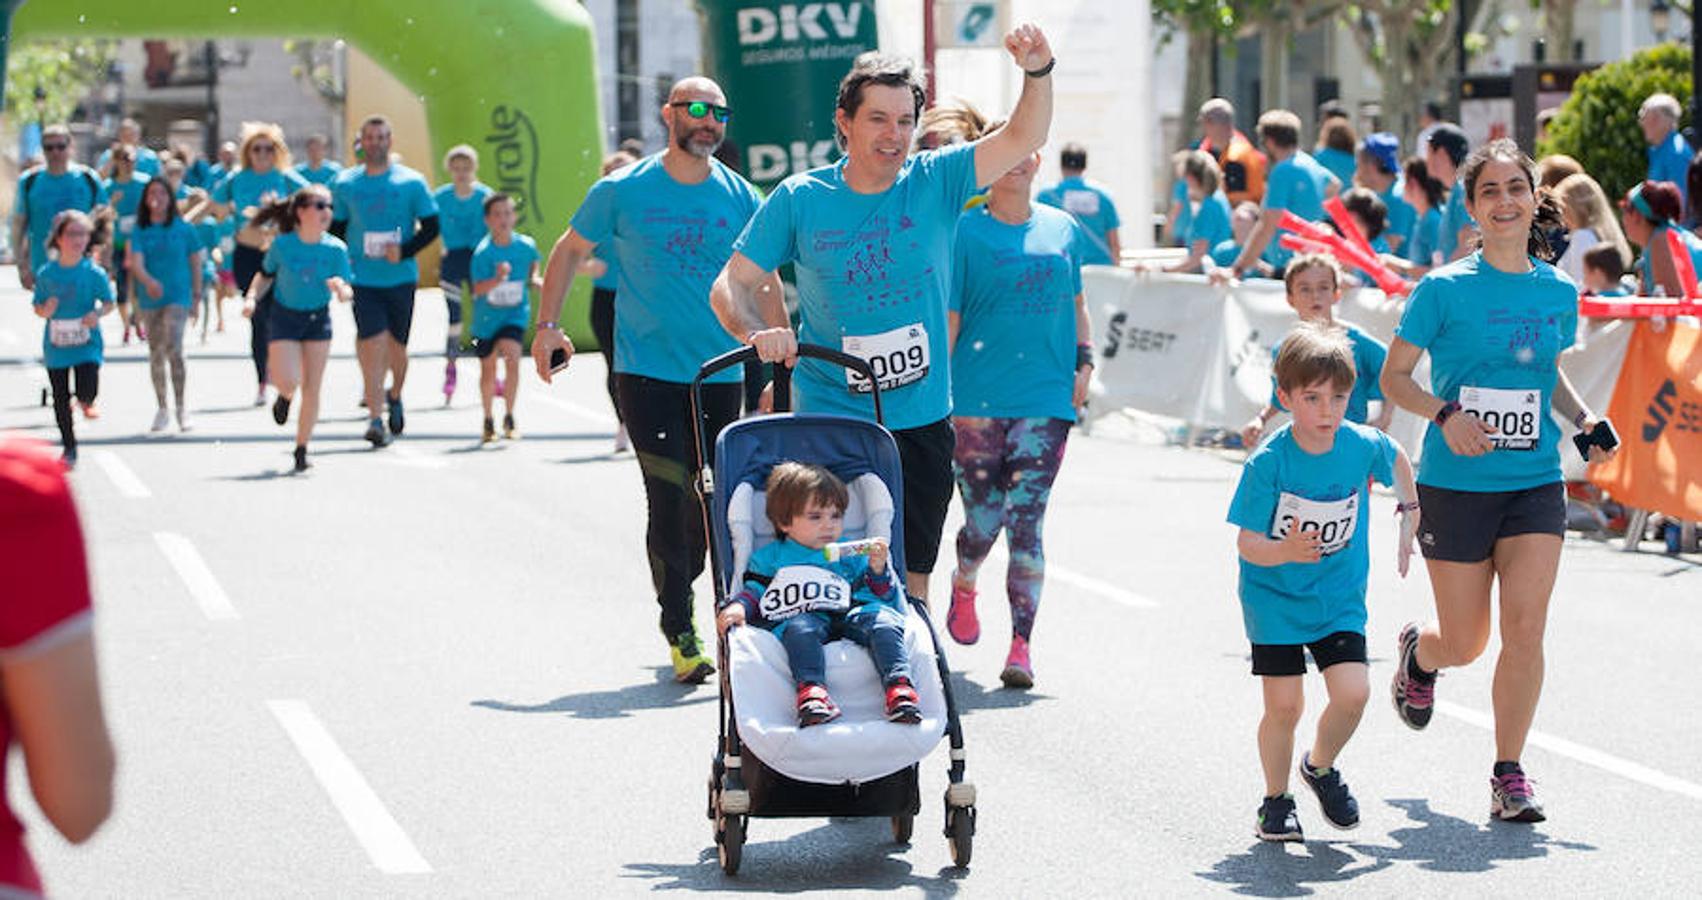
{"x":1273,"y":870}
{"x":659,"y":693}
{"x":972,"y":695}
{"x":1443,"y":843}
{"x":842,"y":855}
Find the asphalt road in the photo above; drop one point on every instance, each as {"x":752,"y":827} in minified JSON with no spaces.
{"x":433,"y":670}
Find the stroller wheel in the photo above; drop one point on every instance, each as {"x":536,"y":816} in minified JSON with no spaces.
{"x":903,"y":827}
{"x":960,"y":828}
{"x":731,"y":843}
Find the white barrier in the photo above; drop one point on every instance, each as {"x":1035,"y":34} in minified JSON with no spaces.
{"x":1182,"y":347}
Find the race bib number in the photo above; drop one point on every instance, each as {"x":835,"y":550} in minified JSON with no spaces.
{"x":126,"y":224}
{"x":375,"y":243}
{"x":508,"y":293}
{"x":1082,"y":203}
{"x":897,"y":357}
{"x":797,"y":589}
{"x":1516,"y":415}
{"x":67,"y":332}
{"x":1334,"y":520}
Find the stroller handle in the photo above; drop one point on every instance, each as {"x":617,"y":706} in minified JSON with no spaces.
{"x":783,"y":374}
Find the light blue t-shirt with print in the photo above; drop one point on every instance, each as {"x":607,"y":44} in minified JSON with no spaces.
{"x":1300,"y":185}
{"x":380,"y":210}
{"x":1014,"y":288}
{"x":1402,"y":217}
{"x":125,"y":197}
{"x":147,"y":161}
{"x":1454,"y":218}
{"x":1426,"y":239}
{"x":323,"y":175}
{"x":1092,"y":206}
{"x":874,"y":275}
{"x":670,"y":240}
{"x":1504,"y":332}
{"x":1340,"y":163}
{"x":247,"y":189}
{"x":1210,"y":223}
{"x":1368,"y":356}
{"x":299,"y":270}
{"x":43,"y":195}
{"x":610,"y":280}
{"x":510,"y":304}
{"x":168,"y":252}
{"x":1284,"y":487}
{"x":462,"y":220}
{"x":79,"y":288}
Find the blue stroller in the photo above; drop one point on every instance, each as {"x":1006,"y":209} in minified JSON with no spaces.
{"x":861,"y":765}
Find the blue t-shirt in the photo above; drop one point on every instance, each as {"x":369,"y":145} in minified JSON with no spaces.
{"x":43,"y":195}
{"x":198,"y":174}
{"x":1210,"y":223}
{"x":671,"y":240}
{"x":381,"y":209}
{"x":1015,"y":288}
{"x":1402,"y":217}
{"x":246,"y":188}
{"x":1300,"y":185}
{"x":1454,"y":218}
{"x":168,"y":253}
{"x":873,"y":279}
{"x":1646,"y":267}
{"x":462,"y":220}
{"x":1489,"y":329}
{"x":80,"y":288}
{"x":1094,"y":210}
{"x":1226,"y":253}
{"x":323,"y":175}
{"x":510,"y":303}
{"x":770,"y":560}
{"x":1184,"y":212}
{"x":1283,"y":487}
{"x":1340,"y":163}
{"x":1368,"y":356}
{"x":1669,"y":160}
{"x":147,"y":161}
{"x":1426,"y":239}
{"x":299,"y":270}
{"x":611,"y":278}
{"x":125,"y":197}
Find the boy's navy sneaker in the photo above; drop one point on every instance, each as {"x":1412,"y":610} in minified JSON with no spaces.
{"x":375,"y":433}
{"x":1334,"y":798}
{"x":396,"y":420}
{"x":1277,"y":820}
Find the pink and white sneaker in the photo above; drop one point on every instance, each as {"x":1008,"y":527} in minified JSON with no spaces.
{"x":1018,"y":672}
{"x":961,"y":622}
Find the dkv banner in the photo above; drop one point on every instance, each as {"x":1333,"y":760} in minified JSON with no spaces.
{"x":1657,"y":409}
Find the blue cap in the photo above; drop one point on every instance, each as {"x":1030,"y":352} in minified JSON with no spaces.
{"x":1386,"y":148}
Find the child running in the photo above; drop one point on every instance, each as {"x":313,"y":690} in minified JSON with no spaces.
{"x":505,"y":265}
{"x":1304,"y":561}
{"x":303,"y":267}
{"x":1313,"y":283}
{"x":72,"y":293}
{"x":165,"y":260}
{"x":460,"y":204}
{"x":792,"y":589}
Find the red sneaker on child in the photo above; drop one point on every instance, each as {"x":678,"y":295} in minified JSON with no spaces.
{"x":815,"y":706}
{"x":902,"y":704}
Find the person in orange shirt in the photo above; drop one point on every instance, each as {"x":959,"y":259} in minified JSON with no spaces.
{"x":1243,"y":166}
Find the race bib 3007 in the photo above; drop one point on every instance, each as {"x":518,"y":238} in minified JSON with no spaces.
{"x":797,"y":589}
{"x":897,"y":357}
{"x":1334,"y":520}
{"x":1516,"y":415}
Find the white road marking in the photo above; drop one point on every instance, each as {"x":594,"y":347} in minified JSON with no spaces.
{"x":378,"y":832}
{"x":583,"y":412}
{"x":196,"y":576}
{"x":403,"y":455}
{"x":1588,"y":756}
{"x":122,"y":476}
{"x":999,"y":558}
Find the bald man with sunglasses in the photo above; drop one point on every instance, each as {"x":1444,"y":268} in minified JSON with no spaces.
{"x":669,"y":221}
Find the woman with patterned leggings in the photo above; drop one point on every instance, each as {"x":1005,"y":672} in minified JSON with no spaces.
{"x":1021,"y":358}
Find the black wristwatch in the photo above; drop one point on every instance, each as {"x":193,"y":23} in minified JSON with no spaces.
{"x":1448,"y":409}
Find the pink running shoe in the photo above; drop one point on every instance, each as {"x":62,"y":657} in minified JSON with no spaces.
{"x":1018,"y":673}
{"x":961,"y":622}
{"x":450,"y":375}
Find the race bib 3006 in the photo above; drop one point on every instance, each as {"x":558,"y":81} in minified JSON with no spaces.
{"x":1334,"y":520}
{"x":797,"y":589}
{"x":1516,"y":415}
{"x":67,"y":332}
{"x":508,"y":293}
{"x":376,"y":243}
{"x":897,"y":357}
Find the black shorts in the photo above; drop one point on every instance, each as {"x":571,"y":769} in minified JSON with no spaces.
{"x":925,"y":453}
{"x":381,"y":309}
{"x":484,"y":347}
{"x":1463,"y":526}
{"x":1290,"y":659}
{"x":456,"y":266}
{"x":287,"y":324}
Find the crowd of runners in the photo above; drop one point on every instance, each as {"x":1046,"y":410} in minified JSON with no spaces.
{"x":928,"y":250}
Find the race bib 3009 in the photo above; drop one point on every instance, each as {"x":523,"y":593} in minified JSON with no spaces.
{"x":797,"y":589}
{"x":897,"y":357}
{"x":1333,"y":520}
{"x":1516,"y":415}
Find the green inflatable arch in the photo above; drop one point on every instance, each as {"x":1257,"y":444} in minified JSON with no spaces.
{"x":514,"y":78}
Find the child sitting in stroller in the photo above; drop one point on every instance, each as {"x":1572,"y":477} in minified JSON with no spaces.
{"x":807,"y":595}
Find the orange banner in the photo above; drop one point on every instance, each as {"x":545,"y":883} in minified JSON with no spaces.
{"x":1657,"y":409}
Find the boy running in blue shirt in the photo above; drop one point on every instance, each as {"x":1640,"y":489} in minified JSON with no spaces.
{"x":1304,"y":563}
{"x":504,"y":266}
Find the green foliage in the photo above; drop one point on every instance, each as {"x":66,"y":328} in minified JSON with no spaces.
{"x":64,"y":72}
{"x":1598,"y":124}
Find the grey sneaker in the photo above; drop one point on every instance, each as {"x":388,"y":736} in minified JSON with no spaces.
{"x":1414,"y":696}
{"x":1511,"y":798}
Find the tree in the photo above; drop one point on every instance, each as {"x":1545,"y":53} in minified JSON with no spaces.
{"x":1559,"y":28}
{"x":1597,"y":125}
{"x":47,"y":80}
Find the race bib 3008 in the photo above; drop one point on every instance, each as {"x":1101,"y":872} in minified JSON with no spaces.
{"x":1334,"y":520}
{"x":897,"y":357}
{"x":797,"y":589}
{"x":1516,"y":415}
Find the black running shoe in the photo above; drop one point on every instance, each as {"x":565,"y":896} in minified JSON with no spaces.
{"x":1278,"y":821}
{"x":281,"y":409}
{"x":1414,"y":695}
{"x":375,"y":433}
{"x":396,"y":420}
{"x":301,"y":462}
{"x":1334,"y":798}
